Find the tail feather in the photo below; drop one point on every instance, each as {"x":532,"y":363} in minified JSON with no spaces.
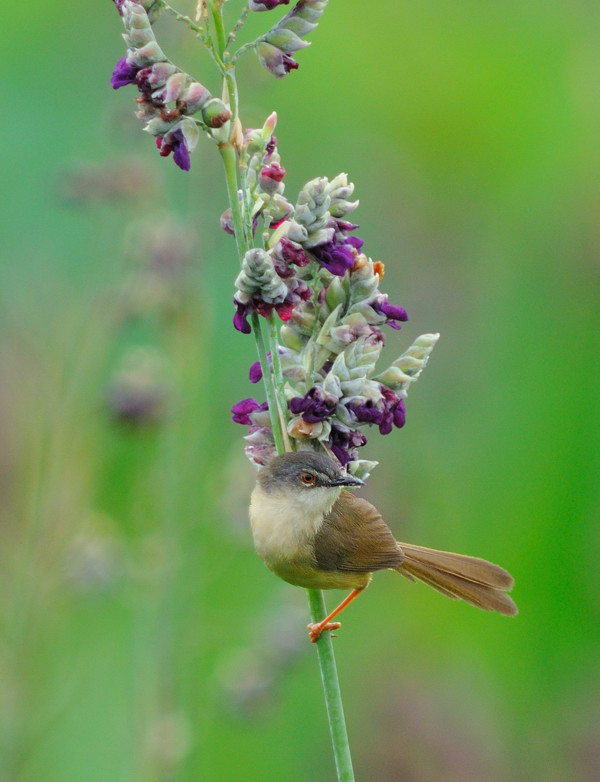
{"x":460,"y":577}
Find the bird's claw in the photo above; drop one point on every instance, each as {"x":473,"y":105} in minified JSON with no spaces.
{"x":315,"y":629}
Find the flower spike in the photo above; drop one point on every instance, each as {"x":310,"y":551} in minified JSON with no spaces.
{"x":327,"y":292}
{"x":275,"y":49}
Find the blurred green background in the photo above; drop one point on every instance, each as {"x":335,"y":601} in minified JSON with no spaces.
{"x":142,"y":639}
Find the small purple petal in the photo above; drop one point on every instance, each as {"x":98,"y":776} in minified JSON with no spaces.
{"x":385,"y":427}
{"x":392,"y":312}
{"x":240,"y":319}
{"x":314,"y":406}
{"x":355,"y":241}
{"x":181,"y":154}
{"x":241,"y":411}
{"x":265,"y":5}
{"x":344,"y":442}
{"x":255,"y":372}
{"x":336,"y":258}
{"x":270,"y":148}
{"x":293,"y":252}
{"x":367,"y":413}
{"x":400,"y":414}
{"x":123,"y":74}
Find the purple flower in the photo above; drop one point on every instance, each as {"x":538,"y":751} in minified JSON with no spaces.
{"x":339,"y":255}
{"x":271,"y":146}
{"x":177,"y":145}
{"x":240,"y":319}
{"x":255,"y":374}
{"x":123,"y":74}
{"x":392,"y":312}
{"x":344,"y":442}
{"x":242,"y":411}
{"x":265,"y":5}
{"x":292,"y":252}
{"x":314,"y":406}
{"x":386,"y":412}
{"x":274,"y":60}
{"x":336,"y":258}
{"x":298,"y":291}
{"x":271,"y":176}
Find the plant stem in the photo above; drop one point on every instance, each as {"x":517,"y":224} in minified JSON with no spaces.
{"x":331,"y":688}
{"x":214,"y":6}
{"x":229,"y":157}
{"x":268,"y":384}
{"x":276,"y":362}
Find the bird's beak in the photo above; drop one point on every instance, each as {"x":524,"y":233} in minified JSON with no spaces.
{"x":347,"y":480}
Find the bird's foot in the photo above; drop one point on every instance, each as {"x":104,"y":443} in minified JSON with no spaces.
{"x":315,"y":629}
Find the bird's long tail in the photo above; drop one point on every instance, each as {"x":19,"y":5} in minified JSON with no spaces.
{"x":459,"y":577}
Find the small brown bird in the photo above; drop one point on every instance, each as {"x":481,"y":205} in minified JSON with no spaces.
{"x":313,"y":533}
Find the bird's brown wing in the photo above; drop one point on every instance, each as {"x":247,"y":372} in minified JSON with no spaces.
{"x":354,"y":538}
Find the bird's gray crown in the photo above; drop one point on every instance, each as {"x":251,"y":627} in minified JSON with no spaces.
{"x":286,"y":469}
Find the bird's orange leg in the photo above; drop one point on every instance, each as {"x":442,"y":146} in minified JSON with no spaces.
{"x":316,"y":628}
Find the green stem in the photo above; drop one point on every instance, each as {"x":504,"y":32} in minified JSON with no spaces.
{"x":243,"y":49}
{"x":268,"y":383}
{"x":331,"y":688}
{"x":217,"y":16}
{"x":276,"y":362}
{"x":229,"y":157}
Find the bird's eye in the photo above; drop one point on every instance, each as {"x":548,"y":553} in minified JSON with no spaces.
{"x":307,"y":478}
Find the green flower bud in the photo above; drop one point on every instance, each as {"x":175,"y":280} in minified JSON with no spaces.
{"x":299,"y":26}
{"x":310,"y":10}
{"x":147,"y":54}
{"x":286,"y":40}
{"x":215,"y":113}
{"x":304,"y":318}
{"x":292,"y":337}
{"x":323,"y":335}
{"x":321,"y":236}
{"x":331,"y":385}
{"x":406,"y":369}
{"x":362,"y":468}
{"x":337,"y":292}
{"x":279,"y":208}
{"x":259,"y":275}
{"x":339,"y":191}
{"x":294,"y":231}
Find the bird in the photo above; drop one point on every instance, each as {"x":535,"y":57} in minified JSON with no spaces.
{"x":312,"y":532}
